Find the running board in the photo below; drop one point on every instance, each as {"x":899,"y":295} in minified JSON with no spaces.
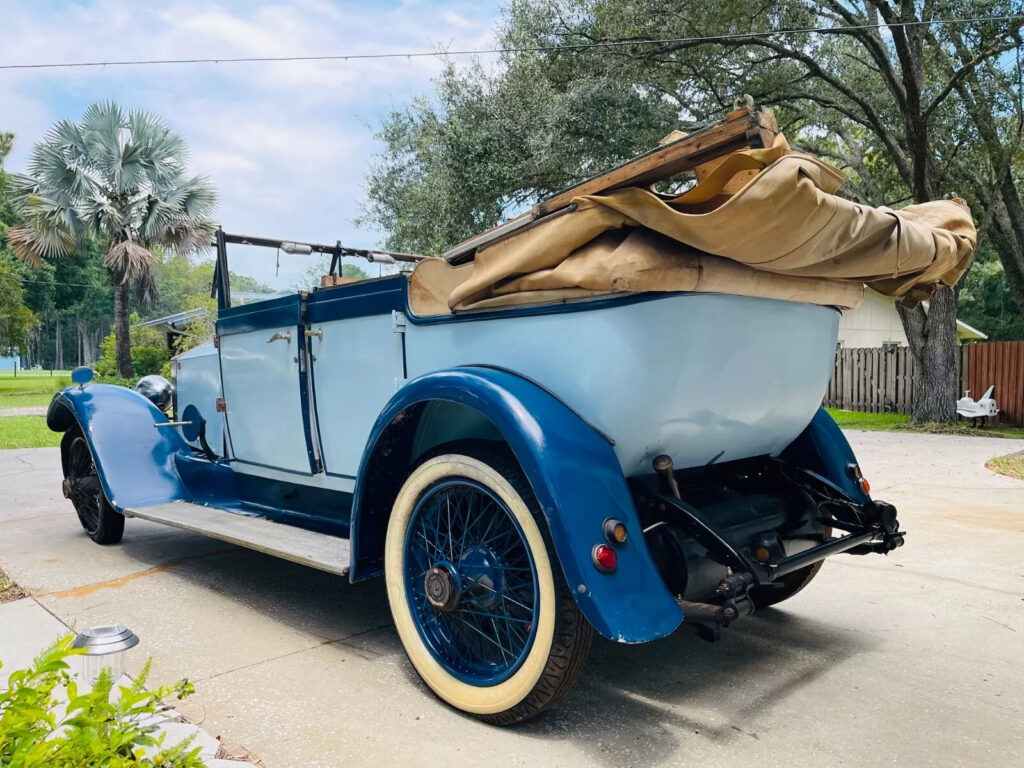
{"x":317,"y":550}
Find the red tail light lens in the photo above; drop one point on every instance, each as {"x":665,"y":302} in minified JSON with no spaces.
{"x":605,"y":558}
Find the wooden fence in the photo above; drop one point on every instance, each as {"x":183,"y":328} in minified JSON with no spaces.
{"x":879,"y":379}
{"x":1000,"y":363}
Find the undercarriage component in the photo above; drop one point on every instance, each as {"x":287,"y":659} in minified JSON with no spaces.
{"x":710,"y":619}
{"x":755,"y":524}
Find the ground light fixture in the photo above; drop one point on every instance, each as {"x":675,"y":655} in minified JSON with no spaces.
{"x":105,"y":647}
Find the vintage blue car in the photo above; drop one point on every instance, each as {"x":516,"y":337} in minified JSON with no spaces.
{"x":521,"y":476}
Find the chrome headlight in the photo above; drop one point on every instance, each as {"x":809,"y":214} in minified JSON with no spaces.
{"x":158,"y":390}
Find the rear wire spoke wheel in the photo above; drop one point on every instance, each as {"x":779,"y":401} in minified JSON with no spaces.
{"x":82,"y":486}
{"x":480,"y":605}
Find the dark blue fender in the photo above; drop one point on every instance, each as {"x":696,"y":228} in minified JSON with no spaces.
{"x":137,"y":464}
{"x":577,"y":481}
{"x":822,"y":448}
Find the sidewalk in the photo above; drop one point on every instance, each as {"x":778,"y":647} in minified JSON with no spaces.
{"x":26,"y":628}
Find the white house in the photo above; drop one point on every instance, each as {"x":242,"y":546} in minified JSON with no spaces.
{"x":876,"y":323}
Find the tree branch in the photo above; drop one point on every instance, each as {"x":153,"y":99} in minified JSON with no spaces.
{"x":967,"y":69}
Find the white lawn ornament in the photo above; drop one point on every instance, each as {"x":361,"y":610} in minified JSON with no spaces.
{"x":982,"y":408}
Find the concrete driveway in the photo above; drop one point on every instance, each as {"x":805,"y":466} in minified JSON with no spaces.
{"x":915,"y":659}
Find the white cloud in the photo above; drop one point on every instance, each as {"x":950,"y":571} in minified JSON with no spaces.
{"x":286,"y":143}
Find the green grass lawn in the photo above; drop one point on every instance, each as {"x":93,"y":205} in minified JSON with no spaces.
{"x":1012,"y":465}
{"x":27,"y":389}
{"x":900,"y":422}
{"x":858,"y":420}
{"x":26,"y":432}
{"x":30,"y":388}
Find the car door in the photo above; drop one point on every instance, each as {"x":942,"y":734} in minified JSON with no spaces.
{"x":357,"y":358}
{"x":264,"y":378}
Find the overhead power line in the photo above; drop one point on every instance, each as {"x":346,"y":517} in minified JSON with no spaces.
{"x":527,"y":49}
{"x":71,"y":285}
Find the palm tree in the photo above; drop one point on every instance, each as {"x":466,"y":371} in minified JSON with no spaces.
{"x":120,"y":177}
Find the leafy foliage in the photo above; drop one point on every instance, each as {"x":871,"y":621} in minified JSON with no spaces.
{"x":16,"y":320}
{"x":488,"y":145}
{"x":910,"y":112}
{"x":97,"y":730}
{"x":318,"y":268}
{"x":987,"y":302}
{"x":7,"y":215}
{"x":149,"y":352}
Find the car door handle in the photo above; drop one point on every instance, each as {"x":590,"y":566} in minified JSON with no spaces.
{"x":318,"y":333}
{"x":280,"y":337}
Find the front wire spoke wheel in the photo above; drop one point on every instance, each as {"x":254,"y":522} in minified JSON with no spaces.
{"x":99,"y":519}
{"x":479,"y":602}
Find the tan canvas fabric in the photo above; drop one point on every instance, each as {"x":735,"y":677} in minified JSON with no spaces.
{"x":622,"y":261}
{"x":783,"y":233}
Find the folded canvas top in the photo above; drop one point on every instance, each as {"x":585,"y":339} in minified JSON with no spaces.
{"x":760,"y":222}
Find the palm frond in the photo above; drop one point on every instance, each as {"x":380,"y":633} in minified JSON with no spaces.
{"x":67,"y":135}
{"x":56,"y":171}
{"x":129,"y":261}
{"x":200,"y":197}
{"x":35,"y":241}
{"x":101,"y":214}
{"x":146,"y":290}
{"x":165,"y":151}
{"x":102,"y":128}
{"x":187,"y":236}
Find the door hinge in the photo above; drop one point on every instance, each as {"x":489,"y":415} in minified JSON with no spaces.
{"x":222,"y":405}
{"x":216,"y":342}
{"x":397,"y":321}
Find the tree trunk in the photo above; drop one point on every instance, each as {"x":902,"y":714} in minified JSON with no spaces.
{"x":122,"y":331}
{"x":58,"y":350}
{"x":1011,"y":255}
{"x":1012,"y":252}
{"x":933,"y":342}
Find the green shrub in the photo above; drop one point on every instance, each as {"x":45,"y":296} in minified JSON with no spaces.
{"x":149,"y":353}
{"x":95,"y":732}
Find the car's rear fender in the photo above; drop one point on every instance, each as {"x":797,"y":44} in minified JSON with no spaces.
{"x":572,"y":470}
{"x":822,"y":448}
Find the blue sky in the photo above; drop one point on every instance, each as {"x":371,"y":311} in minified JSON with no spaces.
{"x":287,"y":144}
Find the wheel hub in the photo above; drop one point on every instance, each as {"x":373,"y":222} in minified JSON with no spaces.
{"x":479,"y":568}
{"x":443,"y":587}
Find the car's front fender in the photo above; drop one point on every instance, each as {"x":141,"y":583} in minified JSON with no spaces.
{"x":576,"y":479}
{"x":135,"y":461}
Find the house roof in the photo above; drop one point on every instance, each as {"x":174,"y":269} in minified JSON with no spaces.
{"x":176,"y":321}
{"x":965,"y":331}
{"x":179,"y":320}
